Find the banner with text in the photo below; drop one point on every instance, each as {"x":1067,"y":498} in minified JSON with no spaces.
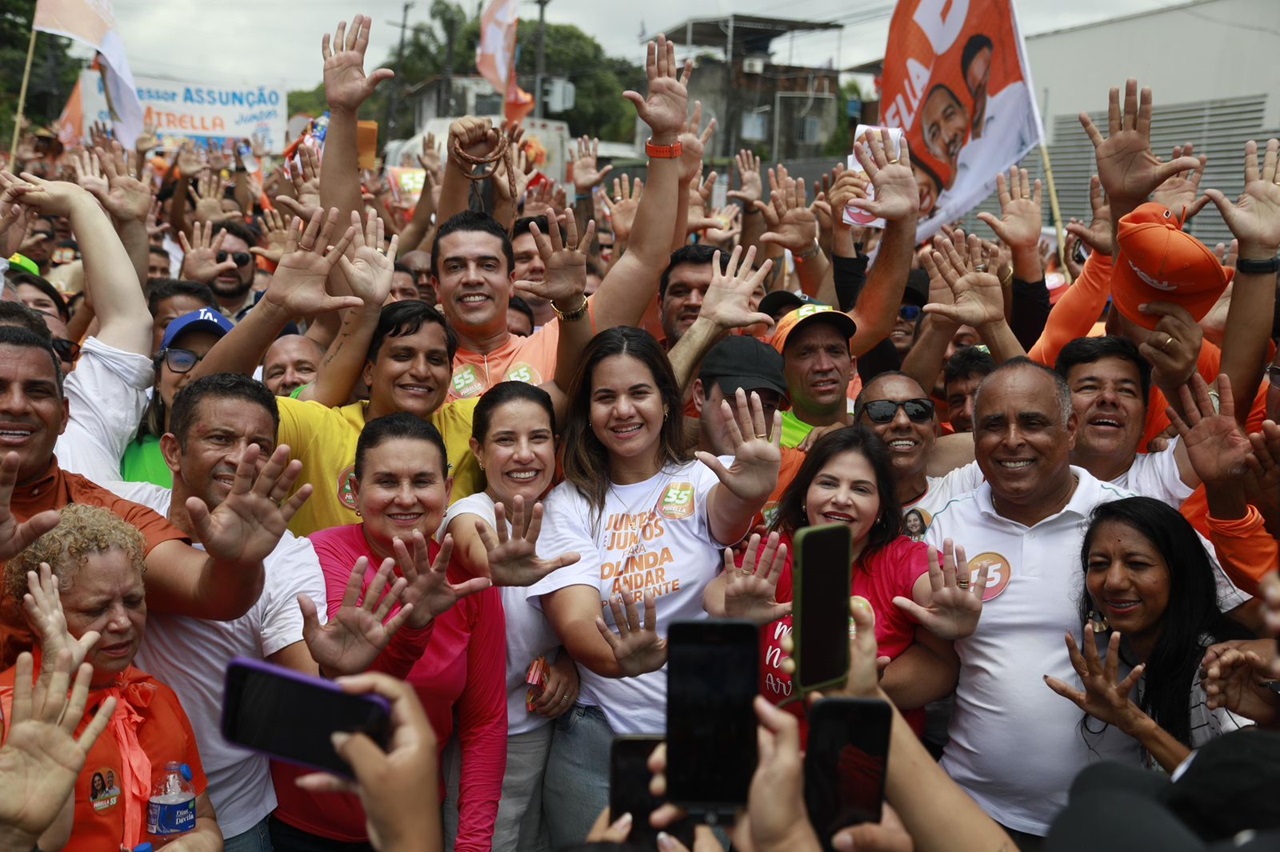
{"x":180,"y":110}
{"x":956,"y":79}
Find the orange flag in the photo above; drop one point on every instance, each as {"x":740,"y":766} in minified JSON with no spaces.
{"x":496,"y":56}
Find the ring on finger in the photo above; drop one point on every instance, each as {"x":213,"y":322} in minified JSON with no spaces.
{"x":981,"y":267}
{"x":963,"y":584}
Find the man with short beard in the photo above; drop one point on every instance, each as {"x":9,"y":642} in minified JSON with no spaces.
{"x":230,"y":272}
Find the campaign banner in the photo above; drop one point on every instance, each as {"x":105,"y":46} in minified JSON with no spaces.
{"x":957,"y":81}
{"x":205,"y":113}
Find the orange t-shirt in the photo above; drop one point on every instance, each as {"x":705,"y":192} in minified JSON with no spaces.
{"x":53,"y":491}
{"x":102,"y":791}
{"x":1246,"y":550}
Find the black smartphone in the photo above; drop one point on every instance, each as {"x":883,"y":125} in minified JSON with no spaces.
{"x":291,"y":717}
{"x":844,"y":765}
{"x":820,"y":606}
{"x":629,"y":778}
{"x":713,"y":674}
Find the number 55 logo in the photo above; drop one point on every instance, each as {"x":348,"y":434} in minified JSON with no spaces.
{"x":999,"y":572}
{"x":677,"y":502}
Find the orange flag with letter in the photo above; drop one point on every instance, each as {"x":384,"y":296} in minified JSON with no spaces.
{"x":957,"y":81}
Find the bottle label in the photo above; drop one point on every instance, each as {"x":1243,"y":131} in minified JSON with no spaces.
{"x":167,"y":819}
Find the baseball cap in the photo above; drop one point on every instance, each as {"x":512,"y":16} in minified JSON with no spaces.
{"x":809,"y":314}
{"x":743,"y":362}
{"x":1159,"y":262}
{"x":774,"y":301}
{"x":917,"y":289}
{"x":205,"y":319}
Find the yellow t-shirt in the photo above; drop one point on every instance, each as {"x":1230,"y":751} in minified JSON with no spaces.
{"x":324,"y":440}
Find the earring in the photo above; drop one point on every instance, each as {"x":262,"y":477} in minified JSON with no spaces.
{"x":1098,"y":622}
{"x":481,"y":466}
{"x":358,"y":513}
{"x":803,"y":510}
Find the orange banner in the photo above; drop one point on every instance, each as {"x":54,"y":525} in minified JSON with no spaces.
{"x":957,"y":81}
{"x":496,"y":57}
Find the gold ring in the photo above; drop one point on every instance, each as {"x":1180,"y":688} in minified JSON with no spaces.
{"x":963,"y":584}
{"x":1164,"y":346}
{"x":981,"y":267}
{"x":892,"y":162}
{"x":761,"y":435}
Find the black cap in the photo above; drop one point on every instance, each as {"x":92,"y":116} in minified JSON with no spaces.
{"x":743,"y":362}
{"x":917,"y":292}
{"x":772,"y":302}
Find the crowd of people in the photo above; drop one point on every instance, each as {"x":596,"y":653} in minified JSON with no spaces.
{"x":476,"y":455}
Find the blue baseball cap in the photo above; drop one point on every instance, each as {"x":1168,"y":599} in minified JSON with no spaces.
{"x":205,"y":319}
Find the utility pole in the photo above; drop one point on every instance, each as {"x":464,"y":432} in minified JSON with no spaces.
{"x":540,"y":73}
{"x":398,"y":80}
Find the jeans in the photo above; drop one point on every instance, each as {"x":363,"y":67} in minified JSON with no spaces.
{"x":520,"y":826}
{"x":286,"y":838}
{"x":576,"y":787}
{"x":256,"y":839}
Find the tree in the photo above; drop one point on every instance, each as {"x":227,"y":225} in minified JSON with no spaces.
{"x":53,"y":73}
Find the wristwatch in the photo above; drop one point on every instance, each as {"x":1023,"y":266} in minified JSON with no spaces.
{"x":571,"y":316}
{"x":1258,"y":267}
{"x":663,"y":152}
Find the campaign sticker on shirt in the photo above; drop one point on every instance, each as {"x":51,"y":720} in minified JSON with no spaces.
{"x":677,"y":502}
{"x":524,"y":372}
{"x":466,"y":383}
{"x":915,"y":523}
{"x":346,"y":487}
{"x":104,"y":792}
{"x":999,"y":572}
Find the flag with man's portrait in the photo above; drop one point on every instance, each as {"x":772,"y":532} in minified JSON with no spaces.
{"x":957,"y":81}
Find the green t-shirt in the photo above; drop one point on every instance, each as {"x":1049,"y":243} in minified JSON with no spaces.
{"x":143,"y":462}
{"x":794,"y":430}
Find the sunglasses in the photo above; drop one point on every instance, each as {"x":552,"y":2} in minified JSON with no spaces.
{"x":180,"y":360}
{"x":884,"y":410}
{"x":66,"y":350}
{"x":241,"y":258}
{"x":1273,"y":373}
{"x":910,"y":313}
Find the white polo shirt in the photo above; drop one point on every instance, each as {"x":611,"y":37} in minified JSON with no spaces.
{"x":1015,"y":745}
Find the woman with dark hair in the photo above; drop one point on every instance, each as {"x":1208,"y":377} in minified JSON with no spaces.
{"x":648,"y":523}
{"x":1150,"y":585}
{"x":847,"y":478}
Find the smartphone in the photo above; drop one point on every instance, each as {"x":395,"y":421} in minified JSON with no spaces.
{"x":713,"y":674}
{"x":291,"y":716}
{"x":629,"y":779}
{"x":820,"y":606}
{"x":844,"y":766}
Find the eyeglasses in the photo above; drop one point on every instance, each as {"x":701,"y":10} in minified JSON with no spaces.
{"x":1273,"y":373}
{"x":241,"y":258}
{"x":884,"y":410}
{"x":180,"y":360}
{"x":66,"y":350}
{"x":910,"y":313}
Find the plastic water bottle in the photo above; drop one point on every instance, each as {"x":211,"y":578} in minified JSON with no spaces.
{"x":171,"y":812}
{"x":320,"y":128}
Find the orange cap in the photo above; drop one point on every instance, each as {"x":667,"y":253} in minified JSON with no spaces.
{"x":1159,"y":262}
{"x":810,"y":313}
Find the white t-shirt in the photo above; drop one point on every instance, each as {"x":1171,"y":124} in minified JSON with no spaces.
{"x":1156,"y":475}
{"x":529,"y":634}
{"x":1015,"y":745}
{"x":939,"y":491}
{"x":652,"y":536}
{"x":190,"y":655}
{"x":107,"y":395}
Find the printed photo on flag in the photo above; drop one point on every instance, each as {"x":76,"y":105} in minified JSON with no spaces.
{"x":956,"y":80}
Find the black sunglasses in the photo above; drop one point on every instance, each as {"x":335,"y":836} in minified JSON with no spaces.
{"x":66,"y":350}
{"x":180,"y":360}
{"x":884,"y":410}
{"x":241,"y":258}
{"x":910,"y":313}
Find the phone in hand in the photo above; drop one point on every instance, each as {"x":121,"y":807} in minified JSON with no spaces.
{"x":713,"y":675}
{"x":291,"y":717}
{"x":629,"y":778}
{"x":820,"y":607}
{"x":845,"y":763}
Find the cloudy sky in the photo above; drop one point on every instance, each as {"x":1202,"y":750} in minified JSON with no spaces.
{"x":278,"y":41}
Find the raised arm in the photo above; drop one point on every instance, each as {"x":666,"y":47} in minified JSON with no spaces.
{"x":978,"y":300}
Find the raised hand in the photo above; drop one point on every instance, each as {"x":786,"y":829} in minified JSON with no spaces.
{"x":749,"y":176}
{"x":189,"y":161}
{"x":897,"y":198}
{"x":1218,"y":450}
{"x":429,"y":159}
{"x":540,"y":200}
{"x":513,"y":557}
{"x":89,"y":172}
{"x":1236,"y":679}
{"x":1179,"y":191}
{"x":429,"y":589}
{"x":693,"y":143}
{"x":305,"y":176}
{"x":276,"y":230}
{"x":351,"y":640}
{"x":849,"y":187}
{"x":1255,"y":218}
{"x":699,"y":198}
{"x":1172,"y":347}
{"x":751,"y":592}
{"x":1265,"y":460}
{"x":1105,"y":696}
{"x":49,"y":197}
{"x":43,"y":606}
{"x":637,"y":648}
{"x":955,"y":596}
{"x":1020,"y":220}
{"x":346,"y":86}
{"x":623,"y":205}
{"x":962,"y":263}
{"x":727,"y":302}
{"x":667,"y":104}
{"x":565,"y":279}
{"x":1098,"y":235}
{"x":367,"y":268}
{"x":42,"y":757}
{"x":298,"y":285}
{"x":13,"y":215}
{"x":1129,"y":171}
{"x":729,"y":226}
{"x":15,"y":535}
{"x":587,"y":174}
{"x":248,"y":524}
{"x":206,"y":193}
{"x":792,"y":225}
{"x":126,"y":198}
{"x":754,"y":472}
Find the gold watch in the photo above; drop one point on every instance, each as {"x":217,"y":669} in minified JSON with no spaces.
{"x":571,"y":316}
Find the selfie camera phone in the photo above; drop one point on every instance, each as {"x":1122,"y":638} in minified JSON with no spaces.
{"x":845,"y":762}
{"x":820,"y":606}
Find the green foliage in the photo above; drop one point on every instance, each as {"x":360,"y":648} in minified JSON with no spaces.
{"x":53,"y":73}
{"x":839,"y":144}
